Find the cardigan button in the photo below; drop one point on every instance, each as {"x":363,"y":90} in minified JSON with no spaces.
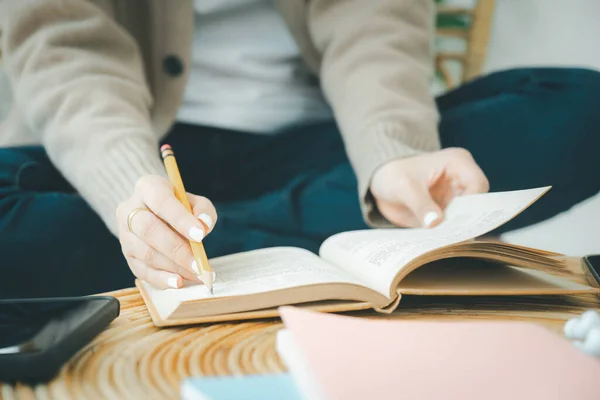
{"x":173,"y":66}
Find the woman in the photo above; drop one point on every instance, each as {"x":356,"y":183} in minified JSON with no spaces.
{"x":250,"y":95}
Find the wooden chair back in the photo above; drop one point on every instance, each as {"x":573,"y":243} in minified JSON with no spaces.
{"x":473,"y":26}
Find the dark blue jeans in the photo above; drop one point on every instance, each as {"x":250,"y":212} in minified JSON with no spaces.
{"x":525,"y":128}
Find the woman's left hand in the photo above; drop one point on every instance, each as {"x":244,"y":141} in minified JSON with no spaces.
{"x":413,"y":192}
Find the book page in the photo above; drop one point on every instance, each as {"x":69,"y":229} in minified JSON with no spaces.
{"x":255,"y":272}
{"x":479,"y":277}
{"x":376,"y":256}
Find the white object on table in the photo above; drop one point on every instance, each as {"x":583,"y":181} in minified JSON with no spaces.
{"x":584,"y":331}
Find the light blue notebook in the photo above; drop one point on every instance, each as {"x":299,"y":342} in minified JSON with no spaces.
{"x":250,"y":387}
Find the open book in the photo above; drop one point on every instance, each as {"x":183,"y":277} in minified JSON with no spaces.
{"x":373,"y":268}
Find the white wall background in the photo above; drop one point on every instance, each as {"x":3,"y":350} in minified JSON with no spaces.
{"x":551,"y":32}
{"x":543,"y":32}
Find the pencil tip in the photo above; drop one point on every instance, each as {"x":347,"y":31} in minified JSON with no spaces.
{"x":208,"y":279}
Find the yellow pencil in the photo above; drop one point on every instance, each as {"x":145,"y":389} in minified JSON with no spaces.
{"x":206,"y":272}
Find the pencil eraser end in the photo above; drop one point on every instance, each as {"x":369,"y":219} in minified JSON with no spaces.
{"x":165,"y":147}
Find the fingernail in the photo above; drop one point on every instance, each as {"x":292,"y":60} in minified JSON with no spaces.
{"x":430,"y":218}
{"x":172,"y":282}
{"x":207,"y":219}
{"x":197,"y":234}
{"x":195,"y":267}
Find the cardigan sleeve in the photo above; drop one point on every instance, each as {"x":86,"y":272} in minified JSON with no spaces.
{"x":376,"y":69}
{"x":77,"y":78}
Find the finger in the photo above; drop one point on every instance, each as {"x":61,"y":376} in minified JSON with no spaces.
{"x":416,"y":197}
{"x":157,"y":278}
{"x":445,"y":190}
{"x":137,"y":248}
{"x":159,"y":197}
{"x":472,"y":178}
{"x":122,"y":214}
{"x":204,"y":210}
{"x":158,"y":235}
{"x":442,"y":189}
{"x":476,"y":183}
{"x":398,"y":214}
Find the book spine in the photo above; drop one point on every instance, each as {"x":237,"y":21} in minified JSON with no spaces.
{"x":388,"y":309}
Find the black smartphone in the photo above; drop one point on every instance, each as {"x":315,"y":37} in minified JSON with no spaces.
{"x":591,"y":267}
{"x":37,"y":336}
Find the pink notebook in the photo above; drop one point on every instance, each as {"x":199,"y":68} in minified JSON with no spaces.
{"x":337,"y":357}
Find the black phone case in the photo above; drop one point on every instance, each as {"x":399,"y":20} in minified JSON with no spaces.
{"x":44,"y":365}
{"x":592,"y":271}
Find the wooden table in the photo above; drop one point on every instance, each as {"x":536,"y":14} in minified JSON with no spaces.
{"x":134,"y":360}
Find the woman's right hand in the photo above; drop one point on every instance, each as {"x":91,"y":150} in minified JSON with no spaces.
{"x":157,"y":248}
